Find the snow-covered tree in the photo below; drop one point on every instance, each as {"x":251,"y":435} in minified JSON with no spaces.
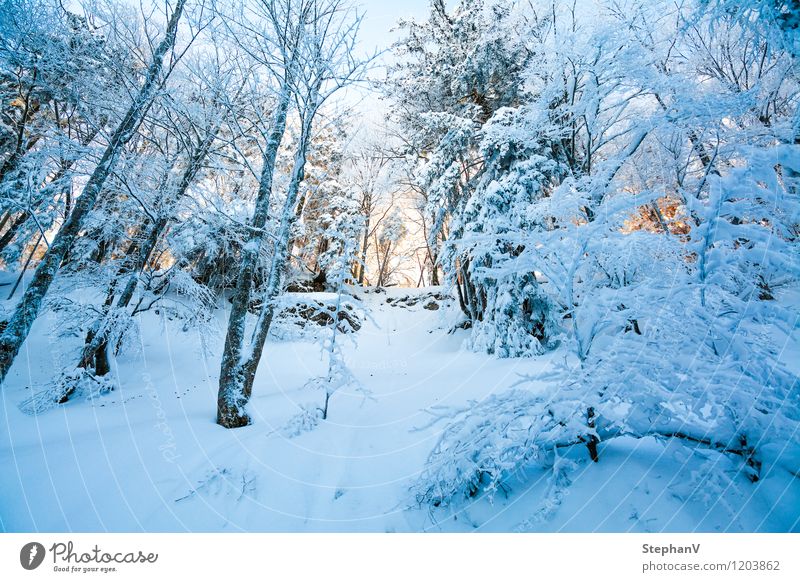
{"x":312,"y":42}
{"x":18,"y":325}
{"x":650,"y":192}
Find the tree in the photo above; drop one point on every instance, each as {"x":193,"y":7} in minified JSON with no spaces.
{"x":17,"y":327}
{"x":462,"y":68}
{"x":197,"y":124}
{"x":654,"y":201}
{"x":313,"y":43}
{"x":58,"y":86}
{"x":322,"y":201}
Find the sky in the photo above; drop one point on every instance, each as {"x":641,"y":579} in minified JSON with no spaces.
{"x":380,"y":17}
{"x":376,"y":35}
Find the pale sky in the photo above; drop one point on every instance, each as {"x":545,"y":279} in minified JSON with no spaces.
{"x":380,"y":16}
{"x":376,"y":34}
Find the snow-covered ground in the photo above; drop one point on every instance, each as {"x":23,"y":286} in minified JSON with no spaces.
{"x":149,"y":456}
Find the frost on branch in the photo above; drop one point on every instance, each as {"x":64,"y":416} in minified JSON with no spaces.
{"x":69,"y":386}
{"x":489,"y":441}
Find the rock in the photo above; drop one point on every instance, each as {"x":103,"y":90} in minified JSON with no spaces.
{"x":322,"y":315}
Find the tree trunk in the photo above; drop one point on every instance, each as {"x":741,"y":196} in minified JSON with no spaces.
{"x":364,"y":246}
{"x":279,"y":258}
{"x":4,"y":221}
{"x":383,"y":263}
{"x":95,"y":350}
{"x":238,"y":368}
{"x":434,"y":270}
{"x":230,"y":400}
{"x":592,"y":440}
{"x":20,"y":323}
{"x":461,"y":302}
{"x":101,"y":364}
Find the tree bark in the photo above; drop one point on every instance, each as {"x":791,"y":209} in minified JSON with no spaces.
{"x":279,"y":258}
{"x":20,"y":323}
{"x":364,"y":246}
{"x":239,"y":367}
{"x":95,"y":350}
{"x":230,"y":398}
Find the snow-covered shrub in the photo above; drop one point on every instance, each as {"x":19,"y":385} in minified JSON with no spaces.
{"x":71,"y":385}
{"x":749,"y":224}
{"x":339,"y":375}
{"x":489,"y":441}
{"x":669,"y":345}
{"x":304,"y":421}
{"x":225,"y":482}
{"x":674,"y":338}
{"x":171,"y":293}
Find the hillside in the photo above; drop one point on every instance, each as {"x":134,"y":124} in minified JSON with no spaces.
{"x":149,"y":457}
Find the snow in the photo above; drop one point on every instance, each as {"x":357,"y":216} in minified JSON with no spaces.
{"x":609,"y":197}
{"x":148,"y":456}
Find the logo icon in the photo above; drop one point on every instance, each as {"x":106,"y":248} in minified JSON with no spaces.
{"x":31,"y":555}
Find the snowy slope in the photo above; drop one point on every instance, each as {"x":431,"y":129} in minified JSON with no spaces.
{"x":148,"y":456}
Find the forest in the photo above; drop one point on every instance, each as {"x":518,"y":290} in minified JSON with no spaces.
{"x":531,"y":265}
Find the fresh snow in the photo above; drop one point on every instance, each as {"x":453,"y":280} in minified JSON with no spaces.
{"x":148,"y":456}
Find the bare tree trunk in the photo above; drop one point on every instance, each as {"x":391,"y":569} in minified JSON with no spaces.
{"x":309,"y":45}
{"x":279,"y":258}
{"x":4,"y":221}
{"x":239,"y":365}
{"x":434,"y":267}
{"x":230,"y":402}
{"x":364,"y":247}
{"x":461,"y":301}
{"x":382,"y":276}
{"x":95,"y":349}
{"x":20,"y":323}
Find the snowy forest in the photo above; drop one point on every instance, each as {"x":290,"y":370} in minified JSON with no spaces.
{"x":500,"y":265}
